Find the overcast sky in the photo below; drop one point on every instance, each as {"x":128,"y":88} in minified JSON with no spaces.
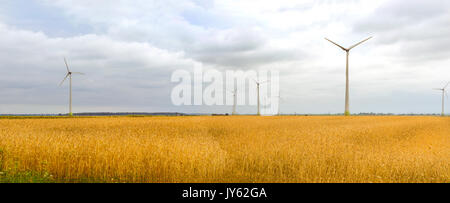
{"x":129,"y":51}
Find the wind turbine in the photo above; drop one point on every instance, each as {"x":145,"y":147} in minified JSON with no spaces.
{"x":234,"y":92}
{"x":258,"y":83}
{"x":69,"y":75}
{"x":444,"y":93}
{"x":347,"y":105}
{"x":279,"y":101}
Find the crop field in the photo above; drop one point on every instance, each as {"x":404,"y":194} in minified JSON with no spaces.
{"x":226,"y":149}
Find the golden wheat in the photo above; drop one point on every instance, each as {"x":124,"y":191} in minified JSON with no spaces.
{"x":230,"y":149}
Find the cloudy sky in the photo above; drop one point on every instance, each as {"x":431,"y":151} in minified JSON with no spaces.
{"x":129,"y":51}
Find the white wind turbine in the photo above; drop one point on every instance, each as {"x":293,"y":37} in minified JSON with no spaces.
{"x":234,"y":92}
{"x":347,"y":105}
{"x":258,"y":83}
{"x":69,"y":75}
{"x":444,"y":93}
{"x":279,"y":101}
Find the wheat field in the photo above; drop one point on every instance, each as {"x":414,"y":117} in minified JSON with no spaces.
{"x":229,"y":149}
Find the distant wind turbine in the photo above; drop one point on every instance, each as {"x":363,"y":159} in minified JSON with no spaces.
{"x":234,"y":92}
{"x":69,"y":75}
{"x":258,"y":83}
{"x":444,"y":93}
{"x":279,"y":101}
{"x":347,"y":105}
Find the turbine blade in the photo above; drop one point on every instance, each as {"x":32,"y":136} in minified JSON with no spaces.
{"x":67,"y":66}
{"x":64,"y":79}
{"x":336,"y":44}
{"x":437,"y":89}
{"x":447,"y":85}
{"x":265,"y":82}
{"x":358,"y":43}
{"x":79,"y":73}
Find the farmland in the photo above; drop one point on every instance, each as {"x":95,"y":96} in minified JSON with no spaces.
{"x":226,"y":149}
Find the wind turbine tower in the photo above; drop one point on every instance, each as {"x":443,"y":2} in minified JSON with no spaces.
{"x":258,"y":83}
{"x":279,"y":101}
{"x":234,"y":92}
{"x":69,"y":75}
{"x":347,"y":50}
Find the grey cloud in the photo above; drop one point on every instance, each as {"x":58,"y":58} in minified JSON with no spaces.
{"x":124,"y":73}
{"x":236,"y":48}
{"x":420,"y":28}
{"x":212,"y":46}
{"x":250,"y":59}
{"x":402,"y":13}
{"x":166,"y":27}
{"x":404,"y":20}
{"x":235,"y":40}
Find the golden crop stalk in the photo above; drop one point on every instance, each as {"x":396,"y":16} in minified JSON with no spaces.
{"x":230,"y":149}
